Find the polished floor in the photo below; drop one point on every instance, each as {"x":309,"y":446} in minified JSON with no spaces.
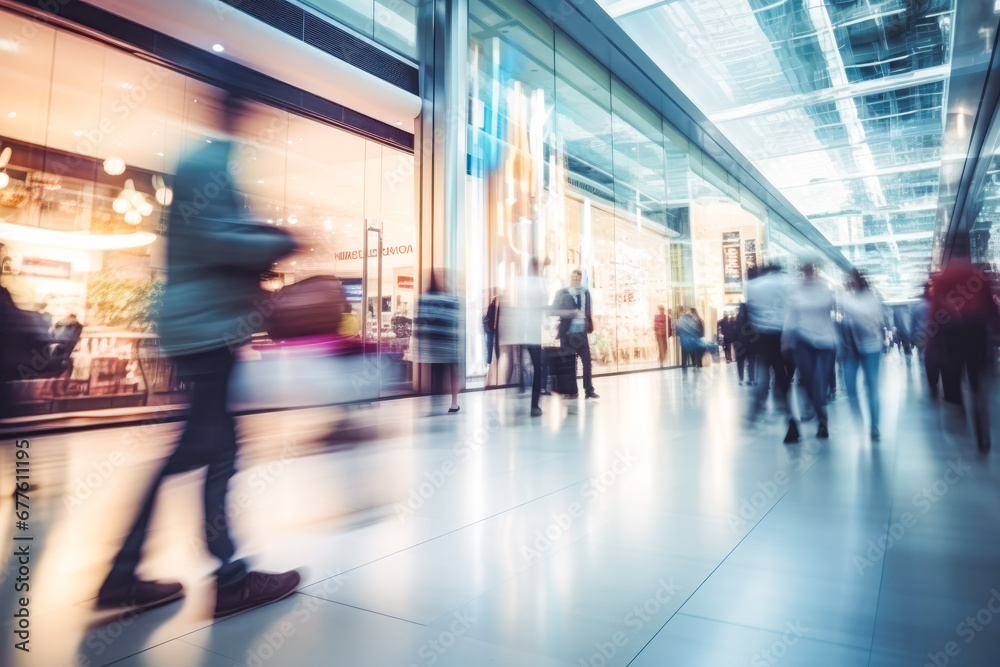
{"x":651,"y":527}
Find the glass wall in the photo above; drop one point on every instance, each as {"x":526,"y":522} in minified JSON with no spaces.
{"x":91,"y":137}
{"x":569,"y":166}
{"x":391,"y":23}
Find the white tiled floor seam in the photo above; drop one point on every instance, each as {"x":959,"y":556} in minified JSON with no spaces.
{"x":731,"y":552}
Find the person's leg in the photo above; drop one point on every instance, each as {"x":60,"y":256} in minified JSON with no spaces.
{"x":209,"y":438}
{"x":872,"y":362}
{"x":811,"y":367}
{"x":588,"y":376}
{"x":851,"y":364}
{"x":741,"y":359}
{"x":535,"y":352}
{"x":752,"y":365}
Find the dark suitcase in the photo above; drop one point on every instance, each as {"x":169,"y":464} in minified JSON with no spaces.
{"x":561,"y":364}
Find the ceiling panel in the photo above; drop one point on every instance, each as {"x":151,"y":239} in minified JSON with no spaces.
{"x":841,"y":104}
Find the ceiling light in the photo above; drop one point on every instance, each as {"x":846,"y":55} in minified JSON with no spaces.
{"x":114,"y":166}
{"x":292,"y":219}
{"x":78,"y":133}
{"x":133,"y":217}
{"x":260,"y":181}
{"x":4,"y":179}
{"x":400,"y":123}
{"x":218,"y":48}
{"x":160,"y":154}
{"x":12,"y":114}
{"x":74,"y":240}
{"x":164,"y":195}
{"x":120,"y":205}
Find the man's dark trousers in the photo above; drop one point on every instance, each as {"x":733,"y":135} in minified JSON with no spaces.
{"x":578,"y":344}
{"x":209,"y":440}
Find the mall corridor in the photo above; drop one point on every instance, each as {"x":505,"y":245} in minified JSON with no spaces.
{"x":651,"y":527}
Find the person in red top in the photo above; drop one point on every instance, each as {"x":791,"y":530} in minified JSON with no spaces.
{"x":961,"y":315}
{"x":660,"y":329}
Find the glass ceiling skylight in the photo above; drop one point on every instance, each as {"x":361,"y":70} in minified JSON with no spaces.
{"x":840,"y":104}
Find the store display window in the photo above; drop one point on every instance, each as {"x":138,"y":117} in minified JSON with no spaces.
{"x":90,"y":138}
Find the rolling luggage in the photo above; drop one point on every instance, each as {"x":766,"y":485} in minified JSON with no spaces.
{"x":562,"y":368}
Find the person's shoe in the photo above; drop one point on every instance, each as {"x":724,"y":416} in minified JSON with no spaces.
{"x":741,"y":383}
{"x":876,"y":436}
{"x":821,"y":432}
{"x":792,"y":436}
{"x":536,"y":411}
{"x":592,"y":394}
{"x":455,"y":409}
{"x":255,"y":590}
{"x":573,"y":396}
{"x":139,"y":595}
{"x":546,"y":392}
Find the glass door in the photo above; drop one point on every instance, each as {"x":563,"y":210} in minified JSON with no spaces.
{"x":389,"y":269}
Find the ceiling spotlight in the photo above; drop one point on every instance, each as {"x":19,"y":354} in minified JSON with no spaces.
{"x":114,"y":166}
{"x":120,"y":205}
{"x":78,"y":133}
{"x":4,"y":179}
{"x":399,"y":122}
{"x":218,"y":48}
{"x":292,"y":219}
{"x":12,"y":114}
{"x":133,"y":217}
{"x":164,"y":195}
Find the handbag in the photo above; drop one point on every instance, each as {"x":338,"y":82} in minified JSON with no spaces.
{"x":310,"y":307}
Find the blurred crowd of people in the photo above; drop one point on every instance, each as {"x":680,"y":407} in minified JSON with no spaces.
{"x":802,"y":333}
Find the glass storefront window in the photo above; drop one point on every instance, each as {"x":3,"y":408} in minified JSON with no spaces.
{"x":649,"y":218}
{"x":94,"y":137}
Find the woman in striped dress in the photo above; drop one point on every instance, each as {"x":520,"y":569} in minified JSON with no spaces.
{"x":435,"y":329}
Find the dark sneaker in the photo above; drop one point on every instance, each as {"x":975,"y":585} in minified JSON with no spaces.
{"x":255,"y":590}
{"x":793,"y":433}
{"x":821,"y":432}
{"x":138,"y":595}
{"x":536,"y":412}
{"x":593,"y":394}
{"x":876,"y":436}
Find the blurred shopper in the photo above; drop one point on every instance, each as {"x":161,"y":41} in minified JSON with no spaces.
{"x":690,"y":331}
{"x":490,"y":321}
{"x":745,"y":337}
{"x":573,"y":306}
{"x":660,"y":331}
{"x":435,"y":330}
{"x":66,"y":333}
{"x":215,"y":256}
{"x":767,"y":298}
{"x":928,"y":346}
{"x":520,"y":325}
{"x":864,"y":334}
{"x":962,"y":302}
{"x":903,"y":326}
{"x":810,"y":337}
{"x":723,"y":336}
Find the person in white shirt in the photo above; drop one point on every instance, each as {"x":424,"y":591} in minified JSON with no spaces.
{"x":520,"y":325}
{"x":864,"y":332}
{"x":810,"y":337}
{"x":767,"y":296}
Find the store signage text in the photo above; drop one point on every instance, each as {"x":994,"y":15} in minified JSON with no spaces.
{"x":386,"y":252}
